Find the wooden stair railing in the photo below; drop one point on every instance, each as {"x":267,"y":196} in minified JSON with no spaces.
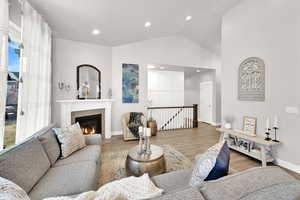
{"x":175,"y":117}
{"x":172,"y":118}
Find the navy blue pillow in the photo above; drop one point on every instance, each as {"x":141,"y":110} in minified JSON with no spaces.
{"x":222,"y":164}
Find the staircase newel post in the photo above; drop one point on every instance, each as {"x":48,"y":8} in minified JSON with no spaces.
{"x":195,"y":115}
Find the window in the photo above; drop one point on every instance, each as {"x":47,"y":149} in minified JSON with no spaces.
{"x":12,"y":93}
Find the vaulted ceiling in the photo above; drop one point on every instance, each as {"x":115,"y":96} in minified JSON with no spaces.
{"x":122,"y":21}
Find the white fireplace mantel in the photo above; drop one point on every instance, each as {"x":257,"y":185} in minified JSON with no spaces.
{"x":69,"y":106}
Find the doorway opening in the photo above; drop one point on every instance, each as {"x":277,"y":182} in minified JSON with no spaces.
{"x":173,"y":86}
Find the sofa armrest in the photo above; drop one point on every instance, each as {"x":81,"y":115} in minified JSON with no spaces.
{"x":249,"y":182}
{"x":94,"y":139}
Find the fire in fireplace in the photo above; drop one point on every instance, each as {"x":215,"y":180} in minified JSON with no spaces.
{"x":90,"y":124}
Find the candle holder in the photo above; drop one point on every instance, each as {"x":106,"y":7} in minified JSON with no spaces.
{"x":267,"y":138}
{"x":148,"y":146}
{"x":141,"y":150}
{"x":275,"y":130}
{"x":141,"y":135}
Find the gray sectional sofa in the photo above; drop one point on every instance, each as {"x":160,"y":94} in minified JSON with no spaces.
{"x":35,"y":165}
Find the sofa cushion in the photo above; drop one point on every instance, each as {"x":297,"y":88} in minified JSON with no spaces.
{"x":93,"y":139}
{"x":88,"y":153}
{"x":50,"y":143}
{"x":25,"y":163}
{"x":173,"y":181}
{"x":183,"y":194}
{"x":221,"y":166}
{"x":241,"y":184}
{"x":281,"y":191}
{"x":213,"y":164}
{"x":70,"y":138}
{"x":67,"y":180}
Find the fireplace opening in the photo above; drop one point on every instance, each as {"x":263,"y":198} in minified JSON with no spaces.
{"x":91,"y":124}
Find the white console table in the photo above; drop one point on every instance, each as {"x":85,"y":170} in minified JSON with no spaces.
{"x":263,"y":144}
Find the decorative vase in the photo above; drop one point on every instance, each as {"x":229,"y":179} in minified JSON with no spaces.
{"x":153,"y":125}
{"x":227,"y":125}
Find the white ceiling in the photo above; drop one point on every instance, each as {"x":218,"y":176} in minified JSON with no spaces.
{"x":122,"y":21}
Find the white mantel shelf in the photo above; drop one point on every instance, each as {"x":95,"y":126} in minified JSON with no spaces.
{"x":84,"y":100}
{"x":72,"y":105}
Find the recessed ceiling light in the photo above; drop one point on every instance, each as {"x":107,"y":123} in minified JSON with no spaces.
{"x":151,"y":67}
{"x":198,"y":70}
{"x":188,"y":18}
{"x":147,"y":24}
{"x":96,"y":32}
{"x":162,"y":68}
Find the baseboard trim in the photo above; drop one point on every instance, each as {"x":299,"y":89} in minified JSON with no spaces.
{"x":211,"y":123}
{"x":288,"y":165}
{"x":116,"y":133}
{"x":216,"y":124}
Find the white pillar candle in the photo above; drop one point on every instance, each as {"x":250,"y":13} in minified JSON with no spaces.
{"x":276,"y":122}
{"x":148,"y":132}
{"x":268,"y":123}
{"x":140,"y":129}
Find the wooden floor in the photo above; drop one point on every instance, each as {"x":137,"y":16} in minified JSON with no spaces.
{"x":190,"y":142}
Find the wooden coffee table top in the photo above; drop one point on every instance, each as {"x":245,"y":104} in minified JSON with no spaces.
{"x":157,"y":152}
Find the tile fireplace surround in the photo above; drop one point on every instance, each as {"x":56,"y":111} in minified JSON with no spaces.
{"x":69,"y":106}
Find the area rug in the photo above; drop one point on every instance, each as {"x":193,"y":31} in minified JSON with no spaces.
{"x":113,"y":163}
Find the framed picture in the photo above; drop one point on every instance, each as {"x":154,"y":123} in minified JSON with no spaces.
{"x":130,"y":83}
{"x":249,"y":125}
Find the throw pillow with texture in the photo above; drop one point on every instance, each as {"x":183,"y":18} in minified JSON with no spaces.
{"x":91,"y":195}
{"x":11,"y":191}
{"x":71,"y":139}
{"x":131,"y":187}
{"x":213,"y":164}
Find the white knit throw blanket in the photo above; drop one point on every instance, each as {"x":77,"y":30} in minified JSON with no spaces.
{"x":131,"y":188}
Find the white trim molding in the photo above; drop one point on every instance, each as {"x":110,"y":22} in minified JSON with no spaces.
{"x":116,"y":133}
{"x":288,"y":165}
{"x":211,"y":123}
{"x":216,"y":123}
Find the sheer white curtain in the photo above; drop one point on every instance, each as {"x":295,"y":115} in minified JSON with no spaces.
{"x":35,"y":92}
{"x":3,"y":64}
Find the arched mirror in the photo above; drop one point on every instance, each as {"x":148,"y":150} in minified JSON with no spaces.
{"x":88,"y":82}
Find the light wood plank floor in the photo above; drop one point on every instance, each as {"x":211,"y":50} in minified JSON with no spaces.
{"x":190,"y":142}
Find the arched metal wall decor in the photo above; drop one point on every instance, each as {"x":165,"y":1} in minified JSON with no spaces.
{"x":251,"y":86}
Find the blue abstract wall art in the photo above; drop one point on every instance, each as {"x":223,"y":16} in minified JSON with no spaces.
{"x":130,"y":83}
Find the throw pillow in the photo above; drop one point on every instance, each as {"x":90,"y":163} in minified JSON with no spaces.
{"x":211,"y":165}
{"x":91,"y":195}
{"x":71,"y":139}
{"x":132,"y":188}
{"x":11,"y":191}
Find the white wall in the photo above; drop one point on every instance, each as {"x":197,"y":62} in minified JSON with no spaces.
{"x":166,"y":88}
{"x":174,"y":50}
{"x":191,"y":88}
{"x":268,"y":29}
{"x":216,"y":62}
{"x":67,"y":55}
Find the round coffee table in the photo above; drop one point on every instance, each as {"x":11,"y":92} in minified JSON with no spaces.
{"x":153,"y":164}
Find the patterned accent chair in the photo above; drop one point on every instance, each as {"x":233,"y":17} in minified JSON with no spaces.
{"x":127,"y":135}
